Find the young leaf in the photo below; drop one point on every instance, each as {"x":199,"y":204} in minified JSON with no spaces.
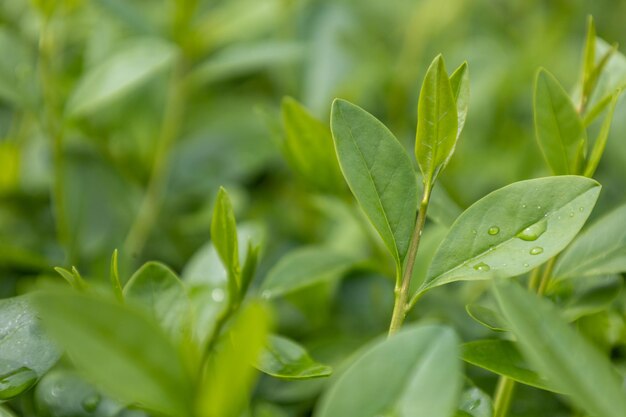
{"x":141,"y":365}
{"x":603,"y":135}
{"x":558,"y":126}
{"x":114,"y":277}
{"x":126,"y":69}
{"x":284,"y":358}
{"x":228,"y":375}
{"x":560,"y":354}
{"x":421,"y":377}
{"x":249,"y":268}
{"x":224,"y":237}
{"x":612,"y":77}
{"x":379,"y":173}
{"x":503,"y":358}
{"x":475,"y":403}
{"x":26,"y":352}
{"x":589,"y":61}
{"x":437,"y":121}
{"x":309,"y":148}
{"x":157,"y":289}
{"x":599,"y":250}
{"x":489,"y":318}
{"x":513,"y":229}
{"x":304,"y":267}
{"x":459,"y":82}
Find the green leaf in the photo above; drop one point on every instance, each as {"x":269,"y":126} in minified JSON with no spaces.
{"x":249,"y":268}
{"x":437,"y":121}
{"x":5,"y":412}
{"x":513,"y":229}
{"x":132,"y":64}
{"x":224,"y":237}
{"x":600,"y":142}
{"x":156,"y":289}
{"x":284,"y":358}
{"x":560,"y":354}
{"x":26,"y":352}
{"x":503,"y":358}
{"x":228,"y":376}
{"x":589,"y":61}
{"x":309,"y":148}
{"x":611,"y":78}
{"x":379,"y":173}
{"x":114,"y":277}
{"x":304,"y":267}
{"x":118,"y":349}
{"x":591,"y":295}
{"x":487,"y":317}
{"x":558,"y":126}
{"x":459,"y":82}
{"x":415,"y":373}
{"x":476,"y":403}
{"x":598,"y":250}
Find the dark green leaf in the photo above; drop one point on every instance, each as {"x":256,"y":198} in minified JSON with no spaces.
{"x":560,"y":354}
{"x":558,"y":126}
{"x":379,"y":173}
{"x":414,"y":373}
{"x":283,"y":358}
{"x":141,"y":365}
{"x":514,"y":229}
{"x":437,"y":121}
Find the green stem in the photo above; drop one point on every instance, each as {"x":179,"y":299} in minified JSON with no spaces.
{"x":503,"y":397}
{"x":401,"y":304}
{"x":546,"y":277}
{"x":149,"y":208}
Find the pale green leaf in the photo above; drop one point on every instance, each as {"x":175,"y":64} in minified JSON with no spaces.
{"x":600,"y":142}
{"x":558,"y":126}
{"x":379,"y":173}
{"x":476,"y":403}
{"x":224,"y":237}
{"x":437,"y":121}
{"x":459,"y":82}
{"x":598,"y":250}
{"x":284,"y":358}
{"x":514,"y":229}
{"x":140,"y":364}
{"x":415,"y":373}
{"x":487,"y":317}
{"x":128,"y":67}
{"x":560,"y":354}
{"x":590,"y":295}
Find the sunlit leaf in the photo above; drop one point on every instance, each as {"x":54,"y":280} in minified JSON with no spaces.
{"x":459,"y":82}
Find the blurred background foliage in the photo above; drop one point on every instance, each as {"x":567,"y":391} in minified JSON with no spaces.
{"x":119,"y":120}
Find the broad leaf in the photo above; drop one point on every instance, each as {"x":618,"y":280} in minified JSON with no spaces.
{"x":558,"y":126}
{"x":514,"y":229}
{"x":284,"y":358}
{"x":141,"y":365}
{"x":503,"y":358}
{"x":379,"y":173}
{"x":305,"y":267}
{"x":157,"y":289}
{"x":437,"y":121}
{"x":421,"y":377}
{"x":26,"y":352}
{"x":459,"y":82}
{"x":309,"y":148}
{"x":130,"y":65}
{"x":599,"y":250}
{"x":228,"y":377}
{"x":560,"y":354}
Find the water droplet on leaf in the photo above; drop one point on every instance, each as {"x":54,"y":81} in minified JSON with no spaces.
{"x":15,"y":382}
{"x":493,"y":230}
{"x":91,"y":402}
{"x":533,"y":232}
{"x":482,"y":267}
{"x":536,"y":250}
{"x":571,"y":214}
{"x":581,"y":209}
{"x":218,"y":295}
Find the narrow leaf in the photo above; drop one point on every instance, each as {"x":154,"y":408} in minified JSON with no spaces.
{"x":513,"y":229}
{"x":557,"y":352}
{"x":599,"y":250}
{"x":421,"y":373}
{"x":459,"y":82}
{"x":114,"y":277}
{"x":558,"y":126}
{"x":284,"y":358}
{"x":487,"y":317}
{"x":379,"y":173}
{"x":600,"y":143}
{"x":224,"y":237}
{"x":437,"y":121}
{"x":589,"y":61}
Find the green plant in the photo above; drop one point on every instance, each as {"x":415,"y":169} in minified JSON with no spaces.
{"x":154,"y":343}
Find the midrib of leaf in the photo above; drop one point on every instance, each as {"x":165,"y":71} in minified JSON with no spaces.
{"x":427,"y":285}
{"x":369,"y":174}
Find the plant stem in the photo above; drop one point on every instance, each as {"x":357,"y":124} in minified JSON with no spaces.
{"x":149,"y":209}
{"x":547,"y":275}
{"x":402,"y":291}
{"x":503,"y":397}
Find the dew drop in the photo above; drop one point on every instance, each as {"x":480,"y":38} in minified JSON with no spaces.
{"x":90,"y":403}
{"x":571,"y":214}
{"x":533,"y":232}
{"x":266,"y":294}
{"x":536,"y":250}
{"x":15,"y":382}
{"x":524,"y":206}
{"x":482,"y":267}
{"x":581,"y":209}
{"x":493,"y":230}
{"x":218,"y":295}
{"x":538,"y":207}
{"x":474,"y":231}
{"x":526,"y":265}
